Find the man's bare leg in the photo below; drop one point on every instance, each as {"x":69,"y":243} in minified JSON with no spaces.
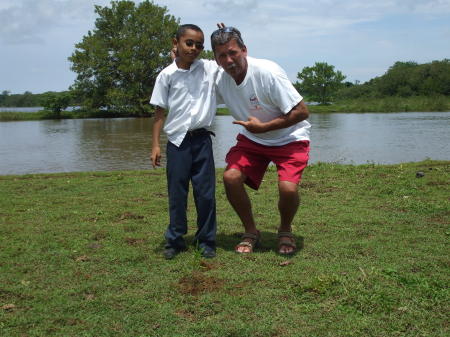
{"x":287,"y":206}
{"x":237,"y":196}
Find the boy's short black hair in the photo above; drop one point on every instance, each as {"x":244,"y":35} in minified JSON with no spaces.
{"x":183,"y":28}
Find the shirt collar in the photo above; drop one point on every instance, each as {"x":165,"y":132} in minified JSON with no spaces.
{"x":194,"y":65}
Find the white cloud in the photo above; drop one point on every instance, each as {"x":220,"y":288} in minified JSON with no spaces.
{"x":232,"y":7}
{"x":28,"y":21}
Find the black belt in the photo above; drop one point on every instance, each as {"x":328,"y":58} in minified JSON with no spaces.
{"x":198,"y":132}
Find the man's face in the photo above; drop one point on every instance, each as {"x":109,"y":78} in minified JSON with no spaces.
{"x":233,"y":59}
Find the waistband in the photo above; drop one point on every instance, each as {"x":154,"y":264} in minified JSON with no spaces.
{"x":198,"y":132}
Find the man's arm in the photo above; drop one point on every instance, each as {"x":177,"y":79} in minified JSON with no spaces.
{"x":297,"y":114}
{"x":158,"y":122}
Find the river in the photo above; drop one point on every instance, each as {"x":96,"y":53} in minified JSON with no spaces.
{"x":124,"y":143}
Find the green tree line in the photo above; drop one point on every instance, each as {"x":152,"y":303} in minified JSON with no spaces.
{"x":404,"y":79}
{"x":28,"y":99}
{"x":319,"y":83}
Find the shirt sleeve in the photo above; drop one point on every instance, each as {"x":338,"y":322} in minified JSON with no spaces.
{"x":282,"y":92}
{"x":219,"y":99}
{"x":160,"y":92}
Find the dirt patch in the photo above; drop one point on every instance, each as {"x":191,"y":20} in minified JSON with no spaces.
{"x":186,"y":314}
{"x":82,"y":258}
{"x":308,"y":185}
{"x":437,"y":183}
{"x":443,"y":220}
{"x":134,"y":241}
{"x":198,"y":283}
{"x":206,"y":265}
{"x":128,"y":215}
{"x":98,"y":236}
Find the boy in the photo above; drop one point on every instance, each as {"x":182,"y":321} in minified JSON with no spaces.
{"x":186,"y":90}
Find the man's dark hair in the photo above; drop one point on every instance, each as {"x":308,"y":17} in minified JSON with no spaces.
{"x":225,"y":35}
{"x":183,"y":28}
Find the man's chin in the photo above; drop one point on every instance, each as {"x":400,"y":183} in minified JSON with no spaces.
{"x":232,"y":71}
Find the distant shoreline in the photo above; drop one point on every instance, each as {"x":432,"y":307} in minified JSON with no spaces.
{"x":362,"y":105}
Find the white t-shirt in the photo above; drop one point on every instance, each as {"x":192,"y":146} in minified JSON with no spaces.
{"x":265,"y":93}
{"x":188,"y":95}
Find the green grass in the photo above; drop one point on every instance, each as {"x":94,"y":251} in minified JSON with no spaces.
{"x":387,"y":104}
{"x":6,"y":116}
{"x":80,"y":255}
{"x":45,"y":114}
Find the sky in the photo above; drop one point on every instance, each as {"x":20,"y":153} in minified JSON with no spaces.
{"x":361,"y":38}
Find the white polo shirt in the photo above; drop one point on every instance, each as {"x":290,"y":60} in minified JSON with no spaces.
{"x":265,"y":93}
{"x":189,"y":96}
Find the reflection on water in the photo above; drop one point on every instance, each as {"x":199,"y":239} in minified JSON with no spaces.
{"x":124,"y":144}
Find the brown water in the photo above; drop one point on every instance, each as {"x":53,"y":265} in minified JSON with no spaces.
{"x":124,"y":144}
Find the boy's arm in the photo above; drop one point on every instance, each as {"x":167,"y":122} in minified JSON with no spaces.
{"x":158,"y":122}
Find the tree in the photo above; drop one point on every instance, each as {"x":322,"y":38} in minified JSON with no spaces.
{"x":396,"y":81}
{"x":56,"y":102}
{"x":207,"y":54}
{"x":117,"y":63}
{"x":3,"y":96}
{"x":320,"y":82}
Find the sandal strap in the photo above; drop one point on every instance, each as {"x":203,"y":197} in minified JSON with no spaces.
{"x":254,"y":241}
{"x":287,"y":243}
{"x":285,"y":235}
{"x":245,"y":244}
{"x":250,"y":236}
{"x":286,"y":239}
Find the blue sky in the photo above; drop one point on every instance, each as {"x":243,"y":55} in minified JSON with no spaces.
{"x":361,"y":38}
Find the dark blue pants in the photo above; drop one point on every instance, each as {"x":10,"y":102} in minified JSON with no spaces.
{"x":192,"y":161}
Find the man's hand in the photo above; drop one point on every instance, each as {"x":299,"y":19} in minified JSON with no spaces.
{"x":297,"y":114}
{"x":253,"y":125}
{"x":173,"y":53}
{"x":155,"y":156}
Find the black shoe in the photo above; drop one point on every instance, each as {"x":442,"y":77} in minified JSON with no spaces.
{"x":170,"y":252}
{"x":208,"y":252}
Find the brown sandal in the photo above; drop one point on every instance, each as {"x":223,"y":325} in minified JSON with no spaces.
{"x":249,"y":240}
{"x":286,"y":239}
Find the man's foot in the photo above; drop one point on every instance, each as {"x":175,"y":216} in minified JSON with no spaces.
{"x":286,"y":243}
{"x":170,"y":252}
{"x":208,"y":252}
{"x":248,"y":243}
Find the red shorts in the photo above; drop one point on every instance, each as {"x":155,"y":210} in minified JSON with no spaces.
{"x":252,"y":160}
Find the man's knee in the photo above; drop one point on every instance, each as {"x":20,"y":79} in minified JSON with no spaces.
{"x":233,"y":177}
{"x":288,"y":188}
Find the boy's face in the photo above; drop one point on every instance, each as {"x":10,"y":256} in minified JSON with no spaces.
{"x":189,"y":46}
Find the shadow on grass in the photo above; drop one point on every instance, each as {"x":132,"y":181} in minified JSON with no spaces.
{"x":228,"y":242}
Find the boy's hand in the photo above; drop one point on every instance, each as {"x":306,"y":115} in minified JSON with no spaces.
{"x":155,"y":157}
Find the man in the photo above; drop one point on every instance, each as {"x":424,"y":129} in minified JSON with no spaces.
{"x":263,"y":100}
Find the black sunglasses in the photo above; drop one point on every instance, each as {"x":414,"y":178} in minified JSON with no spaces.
{"x":198,"y":45}
{"x":228,"y":29}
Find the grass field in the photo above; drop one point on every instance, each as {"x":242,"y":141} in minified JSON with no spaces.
{"x":80,"y":255}
{"x":386,"y":104}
